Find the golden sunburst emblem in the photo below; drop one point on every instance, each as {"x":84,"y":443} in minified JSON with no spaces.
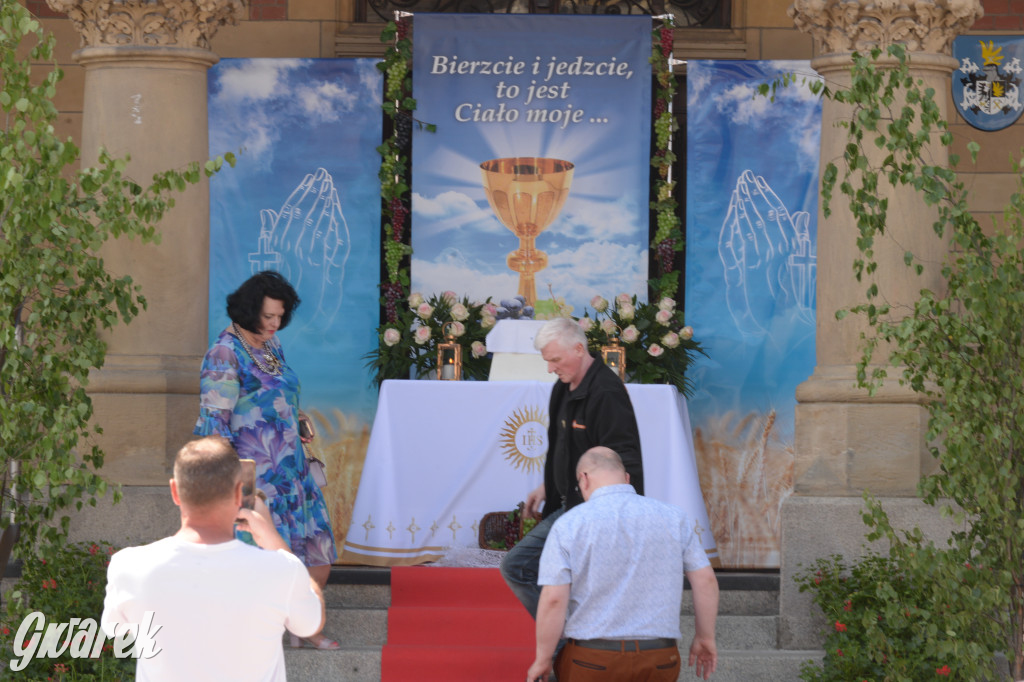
{"x":524,"y":438}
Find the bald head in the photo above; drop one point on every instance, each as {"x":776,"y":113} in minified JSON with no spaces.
{"x":206,"y":471}
{"x":599,"y":466}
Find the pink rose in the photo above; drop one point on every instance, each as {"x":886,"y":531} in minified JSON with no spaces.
{"x":608,"y":326}
{"x":686,"y":333}
{"x":478,"y":349}
{"x":392,"y":336}
{"x":459,"y":312}
{"x":425,"y":310}
{"x":449,"y":297}
{"x":670,"y":340}
{"x":415,"y":300}
{"x":586,"y":324}
{"x":655,"y":350}
{"x":667,"y":304}
{"x":623,"y":298}
{"x":490,"y":309}
{"x":599,"y":304}
{"x":630,"y":334}
{"x":663,"y":316}
{"x":455,"y":329}
{"x":421,"y":335}
{"x":627,"y":311}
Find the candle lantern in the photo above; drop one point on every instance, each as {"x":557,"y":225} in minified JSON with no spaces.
{"x":614,"y":355}
{"x":449,"y":357}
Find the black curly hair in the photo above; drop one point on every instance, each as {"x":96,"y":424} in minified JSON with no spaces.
{"x":246,"y":303}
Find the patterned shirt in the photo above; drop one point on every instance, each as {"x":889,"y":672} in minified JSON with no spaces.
{"x":624,"y":555}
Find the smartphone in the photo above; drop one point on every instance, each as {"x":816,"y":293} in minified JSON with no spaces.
{"x":306,"y":429}
{"x":248,"y":483}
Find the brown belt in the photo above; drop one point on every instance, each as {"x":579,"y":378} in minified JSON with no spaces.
{"x":625,"y":644}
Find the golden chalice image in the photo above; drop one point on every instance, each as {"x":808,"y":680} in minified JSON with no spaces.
{"x":526,"y":193}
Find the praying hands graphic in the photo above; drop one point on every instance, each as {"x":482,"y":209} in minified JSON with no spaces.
{"x":770,"y":263}
{"x":307,"y":241}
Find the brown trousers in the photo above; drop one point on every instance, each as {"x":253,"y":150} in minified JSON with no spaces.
{"x":578,"y":664}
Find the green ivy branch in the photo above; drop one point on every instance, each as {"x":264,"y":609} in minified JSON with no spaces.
{"x":962,"y":349}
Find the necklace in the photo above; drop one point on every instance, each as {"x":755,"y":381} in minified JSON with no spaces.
{"x":273,"y":364}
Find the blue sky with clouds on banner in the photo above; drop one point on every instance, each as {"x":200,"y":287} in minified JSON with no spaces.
{"x":598,"y":243}
{"x":305,"y":132}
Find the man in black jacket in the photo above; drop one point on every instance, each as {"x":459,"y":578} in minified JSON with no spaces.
{"x":589,"y":407}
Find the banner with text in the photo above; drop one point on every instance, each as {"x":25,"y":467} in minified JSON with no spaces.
{"x":536,"y":181}
{"x":751,"y":252}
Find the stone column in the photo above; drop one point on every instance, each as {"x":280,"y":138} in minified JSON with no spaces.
{"x":847,"y":441}
{"x":145,"y":96}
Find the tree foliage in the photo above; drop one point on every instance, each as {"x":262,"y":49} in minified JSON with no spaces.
{"x":55,"y":294}
{"x":962,"y":348}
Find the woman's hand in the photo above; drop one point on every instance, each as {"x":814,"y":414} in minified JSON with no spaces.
{"x":306,"y":431}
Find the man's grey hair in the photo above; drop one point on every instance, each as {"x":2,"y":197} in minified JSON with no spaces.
{"x":566,"y":331}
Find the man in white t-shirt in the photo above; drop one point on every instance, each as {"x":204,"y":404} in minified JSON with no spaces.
{"x":218,"y":606}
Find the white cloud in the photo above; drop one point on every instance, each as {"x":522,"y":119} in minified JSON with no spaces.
{"x":449,"y":211}
{"x":325,"y":101}
{"x":255,"y":79}
{"x":451,"y":272}
{"x":602,"y":220}
{"x":697,"y":81}
{"x":741,"y":104}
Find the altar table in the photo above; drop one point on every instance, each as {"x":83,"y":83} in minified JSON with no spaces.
{"x":442,"y":454}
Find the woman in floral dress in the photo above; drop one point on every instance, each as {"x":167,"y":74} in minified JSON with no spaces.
{"x":250,"y":395}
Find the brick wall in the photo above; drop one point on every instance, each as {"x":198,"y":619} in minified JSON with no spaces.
{"x":1001,"y":15}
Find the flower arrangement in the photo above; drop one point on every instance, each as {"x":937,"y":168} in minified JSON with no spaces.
{"x":67,"y":582}
{"x":408,"y":345}
{"x":659,"y":348}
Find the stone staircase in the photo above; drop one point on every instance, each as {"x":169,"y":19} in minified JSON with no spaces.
{"x":358,"y":598}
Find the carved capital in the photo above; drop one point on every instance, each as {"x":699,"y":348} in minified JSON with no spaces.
{"x":149,"y":23}
{"x":860,"y":25}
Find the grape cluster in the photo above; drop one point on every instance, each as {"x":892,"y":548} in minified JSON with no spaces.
{"x":398,"y":215}
{"x":403,"y":129}
{"x":666,"y":254}
{"x":666,"y":221}
{"x":392,"y":294}
{"x":402,"y":29}
{"x":659,"y":108}
{"x":667,"y":37}
{"x":663,"y":129}
{"x":395,"y":76}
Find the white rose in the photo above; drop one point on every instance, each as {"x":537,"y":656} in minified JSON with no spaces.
{"x":455,"y":329}
{"x":586,"y":324}
{"x":425,"y":310}
{"x":623,"y":298}
{"x":478,"y":349}
{"x":663,"y":316}
{"x":449,"y":297}
{"x":415,"y":301}
{"x":487,"y":321}
{"x":630,"y":334}
{"x":627,"y":311}
{"x":686,"y":333}
{"x":670,"y":340}
{"x":392,"y":336}
{"x":667,"y":304}
{"x":459,"y":312}
{"x":599,"y":303}
{"x":608,"y":326}
{"x":421,"y":335}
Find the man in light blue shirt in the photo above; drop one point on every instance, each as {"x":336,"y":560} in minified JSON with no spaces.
{"x":612,"y":576}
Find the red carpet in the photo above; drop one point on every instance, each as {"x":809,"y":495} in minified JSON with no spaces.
{"x":456,"y":625}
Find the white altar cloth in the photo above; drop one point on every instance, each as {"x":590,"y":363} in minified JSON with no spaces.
{"x":442,"y":454}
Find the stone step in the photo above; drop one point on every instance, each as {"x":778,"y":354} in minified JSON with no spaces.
{"x":747,"y":627}
{"x":362,"y":664}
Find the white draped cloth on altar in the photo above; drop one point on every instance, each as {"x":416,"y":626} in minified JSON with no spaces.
{"x":442,"y":454}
